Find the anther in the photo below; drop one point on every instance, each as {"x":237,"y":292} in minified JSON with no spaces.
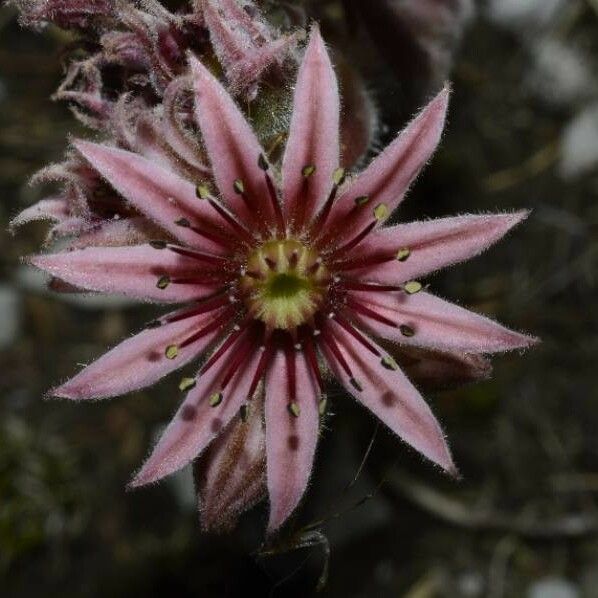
{"x":403,"y":254}
{"x":322,"y":405}
{"x":381,"y":211}
{"x":355,"y":383}
{"x":202,"y":191}
{"x":215,"y":399}
{"x":171,"y":351}
{"x":308,"y":170}
{"x":186,"y":384}
{"x":338,"y":176}
{"x":271,"y":263}
{"x":294,"y":409}
{"x":243,"y":413}
{"x":406,"y":330}
{"x":412,"y":287}
{"x":157,"y":244}
{"x":389,"y":363}
{"x":262,"y":162}
{"x":163,"y":282}
{"x":183,"y":222}
{"x":239,"y":187}
{"x":298,"y":346}
{"x":362,"y":200}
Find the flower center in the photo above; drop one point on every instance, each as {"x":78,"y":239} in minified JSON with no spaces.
{"x":284,"y":283}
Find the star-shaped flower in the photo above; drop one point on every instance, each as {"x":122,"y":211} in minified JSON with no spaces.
{"x":286,"y":281}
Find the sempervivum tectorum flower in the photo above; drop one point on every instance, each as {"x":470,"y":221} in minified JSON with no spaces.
{"x":286,"y":281}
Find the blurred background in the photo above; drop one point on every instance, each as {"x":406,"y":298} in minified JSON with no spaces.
{"x":522,"y":133}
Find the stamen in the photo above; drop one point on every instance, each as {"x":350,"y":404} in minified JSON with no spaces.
{"x":403,"y":254}
{"x":356,"y":334}
{"x":366,"y":311}
{"x":239,"y":187}
{"x":238,"y":228}
{"x":243,"y":350}
{"x":201,"y":256}
{"x":260,"y":369}
{"x":294,"y":409}
{"x":368,"y":262}
{"x":312,"y":358}
{"x":263,"y":164}
{"x":338,"y":178}
{"x":289,"y":354}
{"x":353,"y":285}
{"x":186,"y":384}
{"x":357,"y":240}
{"x":362,"y":200}
{"x":412,"y":287}
{"x":332,"y":345}
{"x":223,"y":348}
{"x":210,"y":235}
{"x":243,"y":413}
{"x":171,"y":352}
{"x":329,"y":340}
{"x":406,"y":330}
{"x":157,"y":244}
{"x":210,"y":303}
{"x":193,"y":280}
{"x":389,"y":363}
{"x":216,"y":399}
{"x":163,"y":282}
{"x":308,"y":170}
{"x":381,"y":212}
{"x":222,"y":319}
{"x":322,"y":405}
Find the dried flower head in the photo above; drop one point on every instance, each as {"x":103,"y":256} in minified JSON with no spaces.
{"x":289,"y":277}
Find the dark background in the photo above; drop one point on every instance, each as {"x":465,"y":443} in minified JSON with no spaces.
{"x":522,"y":133}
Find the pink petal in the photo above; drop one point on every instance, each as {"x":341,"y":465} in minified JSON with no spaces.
{"x":433,"y":244}
{"x":390,"y":396}
{"x":51,"y":208}
{"x":314,"y":133}
{"x":132,"y":271}
{"x":196,"y":423}
{"x":438,"y":324}
{"x":158,"y":193}
{"x":387,"y":178}
{"x":232,"y":146}
{"x":140,"y":360}
{"x":231,"y":475}
{"x":431,"y":369}
{"x":114,"y":233}
{"x":290,"y":440}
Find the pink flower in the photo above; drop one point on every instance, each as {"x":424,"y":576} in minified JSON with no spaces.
{"x":287,"y":279}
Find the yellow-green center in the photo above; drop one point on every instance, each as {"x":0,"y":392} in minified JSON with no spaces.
{"x":284,"y":283}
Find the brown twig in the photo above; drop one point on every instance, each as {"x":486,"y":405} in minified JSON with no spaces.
{"x":453,"y":512}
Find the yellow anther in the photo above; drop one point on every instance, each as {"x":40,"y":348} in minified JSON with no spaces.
{"x":412,"y":287}
{"x":381,"y":211}
{"x":403,"y":254}
{"x":171,"y":351}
